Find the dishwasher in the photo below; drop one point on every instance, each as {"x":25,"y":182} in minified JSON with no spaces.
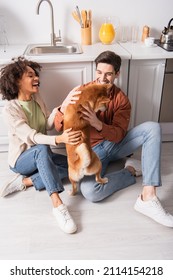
{"x":166,"y":107}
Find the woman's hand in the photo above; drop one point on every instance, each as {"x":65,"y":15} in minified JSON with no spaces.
{"x":69,"y":137}
{"x":71,"y":98}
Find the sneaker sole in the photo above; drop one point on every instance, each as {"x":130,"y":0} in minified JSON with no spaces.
{"x":7,"y":184}
{"x":145,"y":214}
{"x":63,"y":229}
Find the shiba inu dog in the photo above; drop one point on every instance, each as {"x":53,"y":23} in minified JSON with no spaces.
{"x":81,"y":158}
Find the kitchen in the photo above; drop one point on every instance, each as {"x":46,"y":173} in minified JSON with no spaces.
{"x":24,"y":26}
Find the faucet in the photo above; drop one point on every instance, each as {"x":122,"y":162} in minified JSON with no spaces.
{"x":54,"y":39}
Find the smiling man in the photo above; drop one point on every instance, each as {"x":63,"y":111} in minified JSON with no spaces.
{"x":111,"y":140}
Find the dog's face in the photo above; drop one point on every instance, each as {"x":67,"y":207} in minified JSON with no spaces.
{"x":101,"y":104}
{"x":95,"y":97}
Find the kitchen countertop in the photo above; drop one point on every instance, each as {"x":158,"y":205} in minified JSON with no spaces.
{"x":127,"y":50}
{"x":10,"y":52}
{"x":89,"y":54}
{"x":140,"y":51}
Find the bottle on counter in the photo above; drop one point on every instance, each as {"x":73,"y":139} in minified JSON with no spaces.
{"x":145,"y":33}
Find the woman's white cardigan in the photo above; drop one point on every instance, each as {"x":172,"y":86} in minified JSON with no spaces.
{"x":21,"y":135}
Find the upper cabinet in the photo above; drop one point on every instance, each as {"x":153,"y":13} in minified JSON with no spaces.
{"x":145,"y":89}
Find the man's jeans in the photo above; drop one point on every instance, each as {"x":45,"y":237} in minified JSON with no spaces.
{"x":147,"y":135}
{"x":45,"y":168}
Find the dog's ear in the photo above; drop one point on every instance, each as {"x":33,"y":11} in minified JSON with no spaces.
{"x":86,"y":104}
{"x":104,"y":100}
{"x":82,"y":106}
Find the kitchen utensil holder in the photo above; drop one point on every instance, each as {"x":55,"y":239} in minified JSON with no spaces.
{"x":86,"y":36}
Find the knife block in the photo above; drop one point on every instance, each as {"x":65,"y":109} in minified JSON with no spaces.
{"x":86,"y":36}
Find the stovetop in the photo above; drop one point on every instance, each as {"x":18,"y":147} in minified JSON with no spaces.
{"x":168,"y":47}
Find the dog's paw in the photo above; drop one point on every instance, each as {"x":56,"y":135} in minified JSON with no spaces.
{"x":102,"y":180}
{"x":71,"y":192}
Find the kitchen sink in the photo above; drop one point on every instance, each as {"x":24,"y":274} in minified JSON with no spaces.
{"x":49,"y":50}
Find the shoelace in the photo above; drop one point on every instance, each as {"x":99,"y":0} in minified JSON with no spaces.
{"x":66,"y":214}
{"x":23,"y":187}
{"x":160,"y":207}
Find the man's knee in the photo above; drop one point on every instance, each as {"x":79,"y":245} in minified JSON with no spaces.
{"x":89,"y":189}
{"x":155,"y":130}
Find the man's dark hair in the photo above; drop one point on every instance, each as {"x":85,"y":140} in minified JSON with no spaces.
{"x":12,"y":73}
{"x":111,"y":58}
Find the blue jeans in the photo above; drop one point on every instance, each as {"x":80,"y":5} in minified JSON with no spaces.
{"x":45,"y":168}
{"x":147,"y":135}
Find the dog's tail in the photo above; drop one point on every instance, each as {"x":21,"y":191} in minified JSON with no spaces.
{"x":84,"y":155}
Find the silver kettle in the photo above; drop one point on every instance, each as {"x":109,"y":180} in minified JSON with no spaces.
{"x":167,"y":34}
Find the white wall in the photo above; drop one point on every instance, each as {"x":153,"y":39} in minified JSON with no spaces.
{"x":23,"y":26}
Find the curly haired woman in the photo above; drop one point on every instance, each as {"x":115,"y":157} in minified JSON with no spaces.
{"x":30,"y":156}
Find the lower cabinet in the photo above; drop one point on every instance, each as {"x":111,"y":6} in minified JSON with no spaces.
{"x":58,"y":79}
{"x":145,"y":89}
{"x":3,"y":131}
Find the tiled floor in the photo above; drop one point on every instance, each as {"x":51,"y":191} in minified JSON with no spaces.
{"x":110,"y":229}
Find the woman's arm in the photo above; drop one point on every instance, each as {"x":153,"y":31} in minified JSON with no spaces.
{"x":19,"y":127}
{"x":71,"y":98}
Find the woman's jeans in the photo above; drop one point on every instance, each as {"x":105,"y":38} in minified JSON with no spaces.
{"x":147,"y":135}
{"x":45,"y":168}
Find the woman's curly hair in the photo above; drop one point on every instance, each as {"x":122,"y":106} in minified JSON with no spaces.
{"x":12,"y":73}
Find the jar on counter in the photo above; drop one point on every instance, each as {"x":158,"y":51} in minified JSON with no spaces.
{"x":107,"y":31}
{"x":145,"y":33}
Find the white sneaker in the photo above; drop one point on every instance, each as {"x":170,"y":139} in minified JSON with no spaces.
{"x":153,"y":209}
{"x":136,"y":164}
{"x":64,"y":219}
{"x":13,"y":186}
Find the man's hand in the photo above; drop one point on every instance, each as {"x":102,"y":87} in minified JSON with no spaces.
{"x":90,"y":116}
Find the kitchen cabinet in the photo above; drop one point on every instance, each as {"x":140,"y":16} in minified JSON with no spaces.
{"x":58,"y":79}
{"x":3,"y":127}
{"x":3,"y":131}
{"x":141,"y":79}
{"x":145,"y":89}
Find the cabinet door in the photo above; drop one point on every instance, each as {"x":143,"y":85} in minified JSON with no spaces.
{"x":58,"y":79}
{"x":3,"y":131}
{"x":145,"y":88}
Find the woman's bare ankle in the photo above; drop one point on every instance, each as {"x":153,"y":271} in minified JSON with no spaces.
{"x":148,"y":192}
{"x":56,"y":200}
{"x":27,"y":182}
